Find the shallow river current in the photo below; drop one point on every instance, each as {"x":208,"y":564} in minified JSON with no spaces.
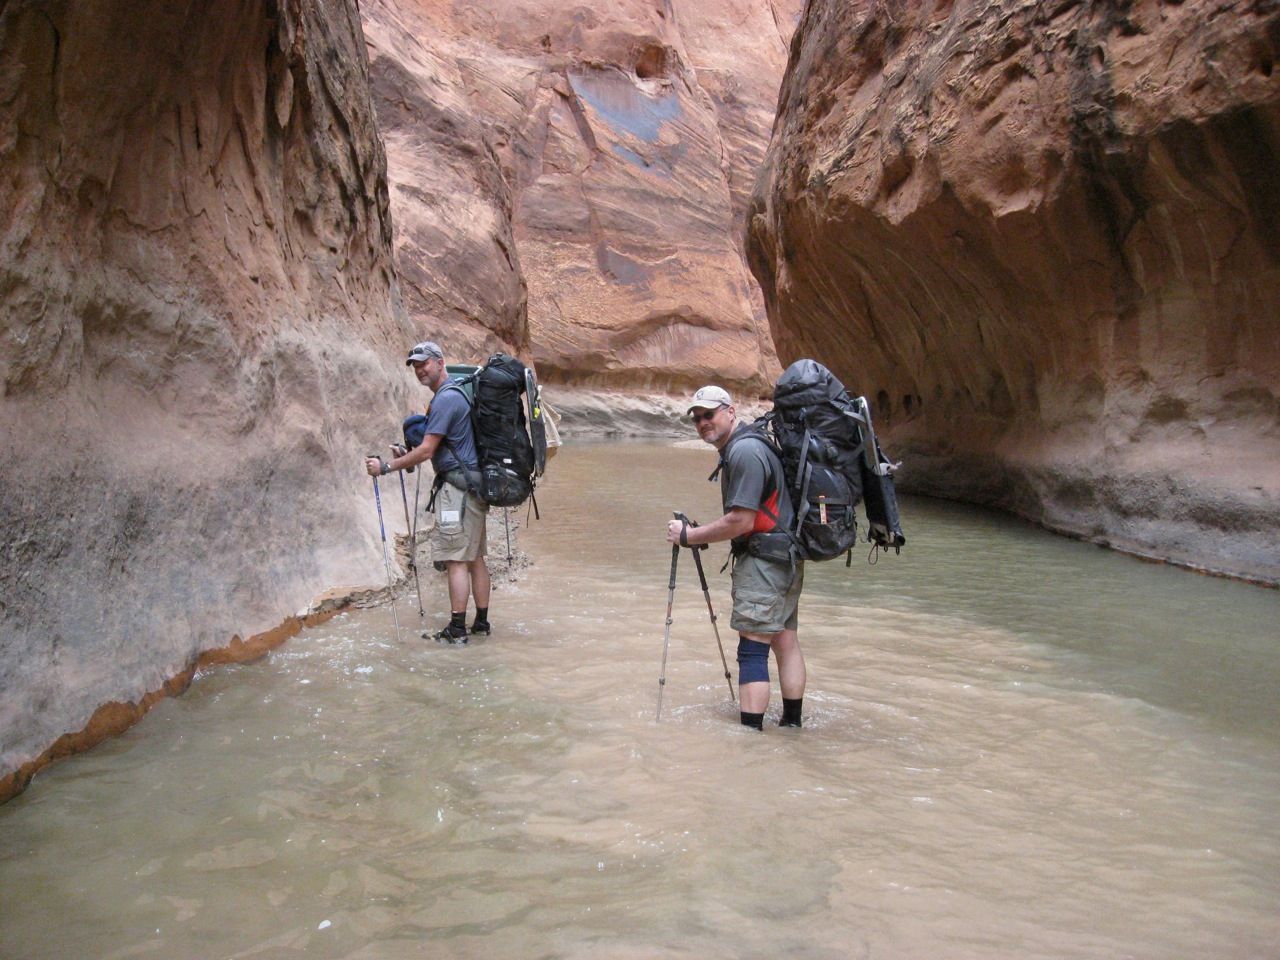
{"x":1015,"y":746}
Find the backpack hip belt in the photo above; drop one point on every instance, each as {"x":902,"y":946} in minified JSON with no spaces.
{"x":776,"y":546}
{"x":466,"y":480}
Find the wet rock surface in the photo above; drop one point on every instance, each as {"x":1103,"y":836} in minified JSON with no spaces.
{"x":197,"y":314}
{"x":614,"y":147}
{"x":1043,"y":240}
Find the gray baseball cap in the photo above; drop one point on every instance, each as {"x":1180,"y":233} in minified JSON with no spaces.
{"x":426,"y":350}
{"x":708,"y":398}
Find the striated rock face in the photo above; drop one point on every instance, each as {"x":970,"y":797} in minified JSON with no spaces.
{"x":614,"y":146}
{"x":1046,"y":238}
{"x":198,"y":336}
{"x":451,"y":199}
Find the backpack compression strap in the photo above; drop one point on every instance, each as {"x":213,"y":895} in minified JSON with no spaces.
{"x":802,"y":475}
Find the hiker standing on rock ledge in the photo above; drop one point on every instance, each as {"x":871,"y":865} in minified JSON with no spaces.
{"x":767,"y":574}
{"x":458,"y":537}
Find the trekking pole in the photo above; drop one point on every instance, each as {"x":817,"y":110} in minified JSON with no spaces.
{"x":413,"y":546}
{"x":386,"y":557}
{"x":506,"y":520}
{"x":666,"y":633}
{"x":413,"y":537}
{"x":702,"y":578}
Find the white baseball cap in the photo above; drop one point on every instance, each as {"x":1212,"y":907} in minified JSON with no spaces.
{"x":426,"y":350}
{"x":708,"y":398}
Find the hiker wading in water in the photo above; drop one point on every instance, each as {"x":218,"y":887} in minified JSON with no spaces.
{"x":458,"y":537}
{"x":767,"y":575}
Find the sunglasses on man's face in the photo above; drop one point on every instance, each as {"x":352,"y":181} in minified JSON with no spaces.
{"x":699,"y":415}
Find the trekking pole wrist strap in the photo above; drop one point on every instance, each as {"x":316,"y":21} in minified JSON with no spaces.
{"x":384,"y":466}
{"x":684,"y":533}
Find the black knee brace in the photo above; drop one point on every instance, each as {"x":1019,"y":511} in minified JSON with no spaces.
{"x":753,"y":661}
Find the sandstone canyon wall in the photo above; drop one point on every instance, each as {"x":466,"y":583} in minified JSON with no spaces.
{"x":199,"y":329}
{"x":588,"y":165}
{"x":1046,"y":238}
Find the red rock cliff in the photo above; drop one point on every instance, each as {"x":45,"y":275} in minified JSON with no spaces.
{"x":572,"y":181}
{"x":1044,"y":237}
{"x":197,"y":338}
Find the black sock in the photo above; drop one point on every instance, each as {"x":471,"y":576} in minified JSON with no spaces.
{"x":482,"y":614}
{"x":791,"y":712}
{"x":458,"y":620}
{"x":752,"y":720}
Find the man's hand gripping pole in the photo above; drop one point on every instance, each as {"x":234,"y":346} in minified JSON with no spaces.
{"x":685,"y":524}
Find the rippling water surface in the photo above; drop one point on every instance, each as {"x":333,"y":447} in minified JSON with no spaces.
{"x":1014,"y":746}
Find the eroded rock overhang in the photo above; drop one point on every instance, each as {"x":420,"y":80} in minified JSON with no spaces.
{"x":1045,"y":240}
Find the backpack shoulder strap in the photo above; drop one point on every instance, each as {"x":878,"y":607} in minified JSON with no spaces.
{"x":456,"y":383}
{"x":757,"y":430}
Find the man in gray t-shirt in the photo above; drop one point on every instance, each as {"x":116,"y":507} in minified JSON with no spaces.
{"x":767,"y":576}
{"x":458,"y":536}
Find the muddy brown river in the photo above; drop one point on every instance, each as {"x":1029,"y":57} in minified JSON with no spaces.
{"x":1015,"y":746}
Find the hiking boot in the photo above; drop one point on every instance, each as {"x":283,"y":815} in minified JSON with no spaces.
{"x":481,"y":626}
{"x":450,"y":634}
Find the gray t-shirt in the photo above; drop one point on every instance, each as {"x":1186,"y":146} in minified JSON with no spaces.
{"x":450,"y":416}
{"x":753,"y":478}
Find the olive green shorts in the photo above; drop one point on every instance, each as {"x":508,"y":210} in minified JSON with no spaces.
{"x":459,"y":531}
{"x":766,"y":595}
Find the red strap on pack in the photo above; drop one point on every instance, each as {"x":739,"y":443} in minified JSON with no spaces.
{"x":767,"y":516}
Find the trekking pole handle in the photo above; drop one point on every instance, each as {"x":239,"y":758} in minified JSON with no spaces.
{"x":684,"y":540}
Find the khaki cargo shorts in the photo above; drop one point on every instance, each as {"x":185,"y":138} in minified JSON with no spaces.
{"x":459,"y":531}
{"x":766,"y":595}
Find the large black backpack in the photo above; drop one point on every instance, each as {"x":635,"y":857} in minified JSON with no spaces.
{"x":511,"y":447}
{"x":831,"y":461}
{"x":508,"y":465}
